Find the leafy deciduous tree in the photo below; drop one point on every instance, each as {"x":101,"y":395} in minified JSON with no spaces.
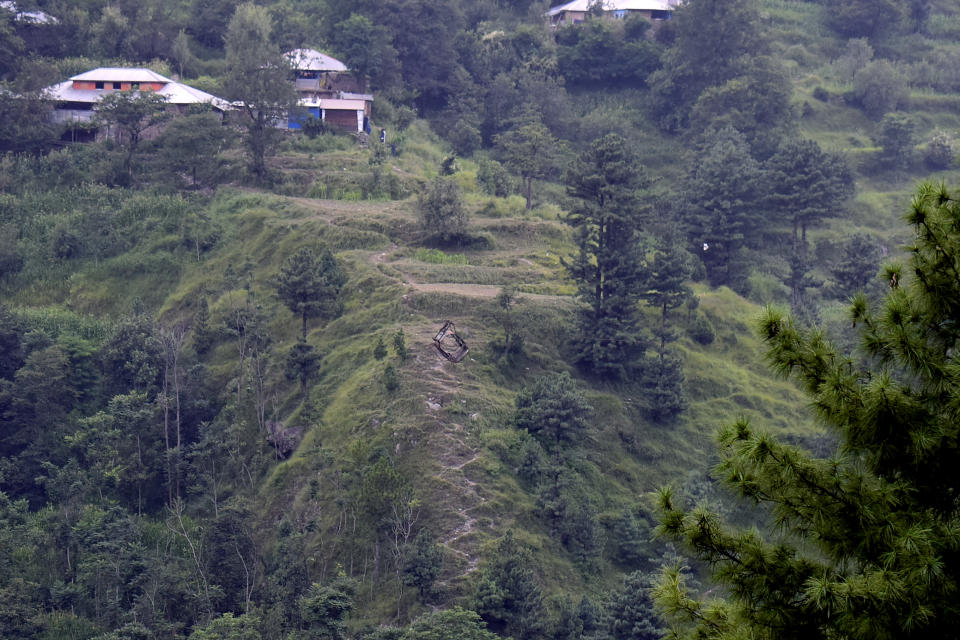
{"x":867,"y":18}
{"x":258,"y":76}
{"x":449,"y":623}
{"x":880,"y":88}
{"x":324,"y":608}
{"x":366,"y":50}
{"x":530,"y":150}
{"x":441,"y":210}
{"x":190,"y":145}
{"x":715,"y":41}
{"x":132,"y":113}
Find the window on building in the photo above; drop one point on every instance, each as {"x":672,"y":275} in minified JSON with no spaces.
{"x":98,"y":85}
{"x":116,"y":85}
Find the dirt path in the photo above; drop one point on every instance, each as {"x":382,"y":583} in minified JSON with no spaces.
{"x":453,"y":450}
{"x":465,"y":289}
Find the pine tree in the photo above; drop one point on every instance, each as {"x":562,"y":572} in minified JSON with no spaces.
{"x":666,"y":290}
{"x":507,"y":594}
{"x":400,"y":345}
{"x":380,"y":350}
{"x":720,"y":200}
{"x":859,"y":264}
{"x":302,"y":363}
{"x":808,"y":185}
{"x":423,"y":565}
{"x":630,"y":611}
{"x":203,"y":335}
{"x":868,"y":538}
{"x":554,"y":410}
{"x":310,"y":283}
{"x":798,"y":278}
{"x":607,"y":184}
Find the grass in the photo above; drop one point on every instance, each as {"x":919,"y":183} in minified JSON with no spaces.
{"x":435,"y":256}
{"x":445,"y":414}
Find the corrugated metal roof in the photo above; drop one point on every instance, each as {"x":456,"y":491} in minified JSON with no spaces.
{"x":616,"y":5}
{"x":313,"y":60}
{"x":346,"y":95}
{"x":335,"y":103}
{"x":179,"y":93}
{"x":119,"y":74}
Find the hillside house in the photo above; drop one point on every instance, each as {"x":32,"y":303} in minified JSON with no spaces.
{"x":579,"y":10}
{"x":76,"y":98}
{"x":329,"y":91}
{"x":27,"y":17}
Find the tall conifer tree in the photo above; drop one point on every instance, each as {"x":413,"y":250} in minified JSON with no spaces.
{"x":666,"y":290}
{"x":607,"y":183}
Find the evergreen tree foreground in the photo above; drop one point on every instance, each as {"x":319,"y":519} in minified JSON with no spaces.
{"x":868,"y":540}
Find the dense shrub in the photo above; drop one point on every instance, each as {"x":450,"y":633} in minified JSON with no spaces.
{"x":441,"y":211}
{"x":701,"y":330}
{"x":880,"y":88}
{"x":494,"y":179}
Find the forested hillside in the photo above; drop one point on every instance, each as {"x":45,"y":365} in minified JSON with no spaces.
{"x":222,"y":411}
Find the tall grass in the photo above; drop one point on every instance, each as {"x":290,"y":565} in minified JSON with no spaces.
{"x":55,"y":321}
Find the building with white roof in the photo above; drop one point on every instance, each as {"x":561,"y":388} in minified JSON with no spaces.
{"x":578,"y":10}
{"x":328,"y":91}
{"x":76,"y":98}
